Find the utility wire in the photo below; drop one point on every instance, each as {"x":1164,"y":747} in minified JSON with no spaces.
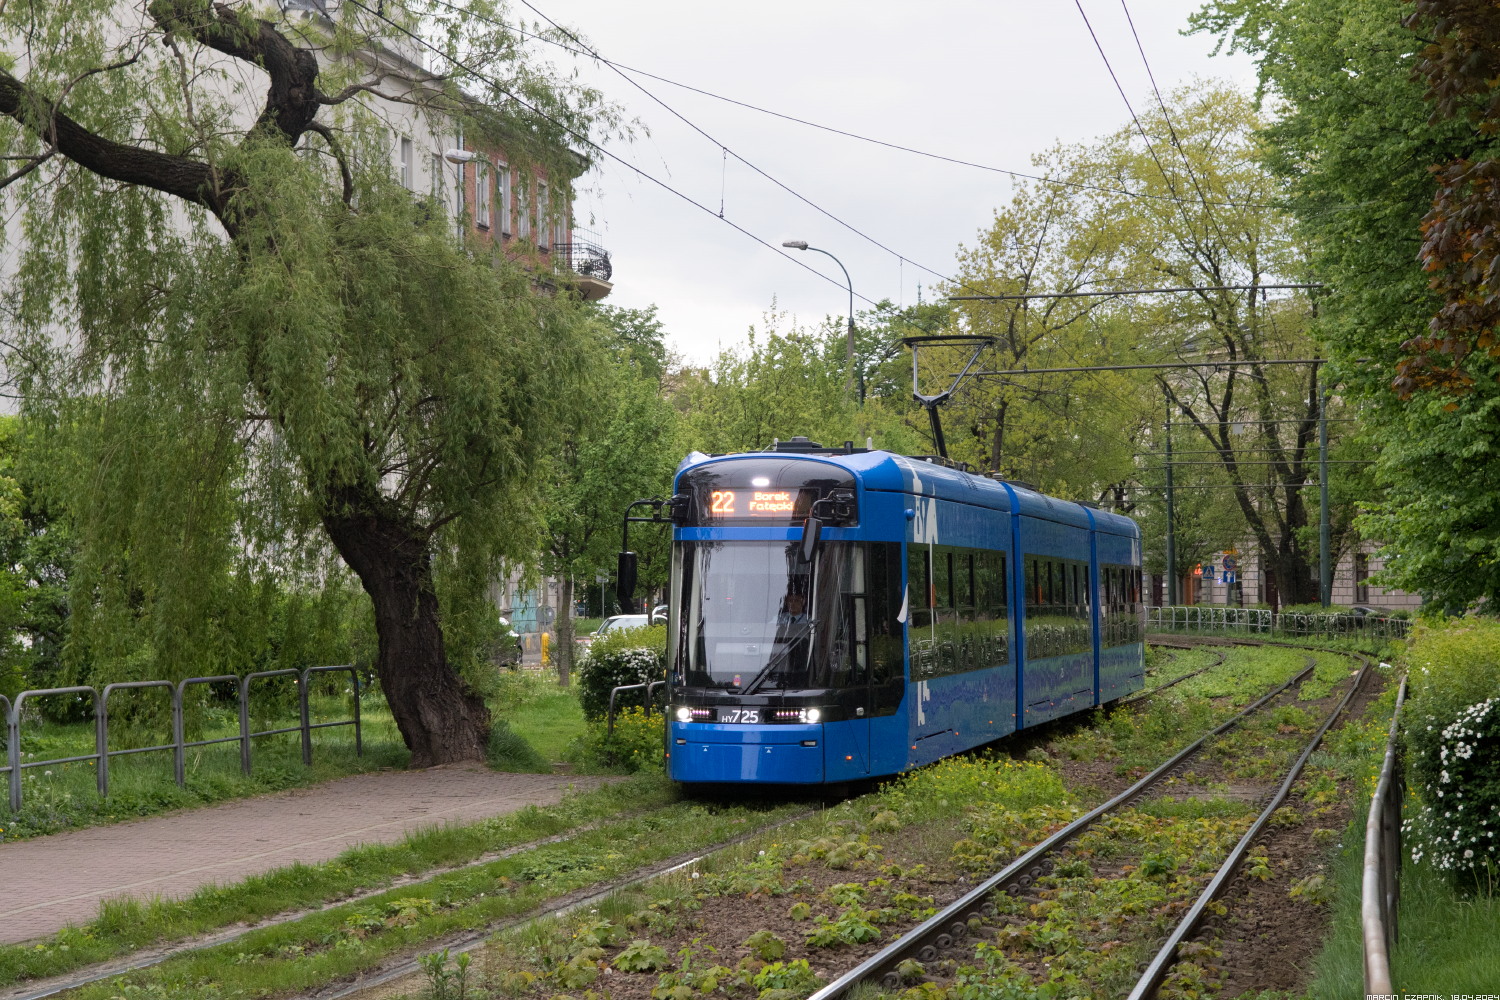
{"x":1139,"y":128}
{"x":1171,"y":130}
{"x":838,"y":131}
{"x":1023,"y":370}
{"x":1238,"y":462}
{"x":1128,"y":291}
{"x":727,"y":151}
{"x":586,"y":141}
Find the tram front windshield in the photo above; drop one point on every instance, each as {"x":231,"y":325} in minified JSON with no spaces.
{"x":751,"y":617}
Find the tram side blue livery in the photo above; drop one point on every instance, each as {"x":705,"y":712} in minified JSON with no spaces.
{"x":935,"y":611}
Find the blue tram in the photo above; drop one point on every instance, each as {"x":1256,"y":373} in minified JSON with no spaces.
{"x":838,"y":614}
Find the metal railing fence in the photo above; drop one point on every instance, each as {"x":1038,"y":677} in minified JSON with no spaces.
{"x":650,"y":699}
{"x":1261,"y":622}
{"x":101,"y":755}
{"x":1381,"y":889}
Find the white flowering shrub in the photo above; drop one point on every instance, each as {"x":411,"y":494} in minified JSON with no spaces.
{"x":611,"y":664}
{"x":1456,"y":768}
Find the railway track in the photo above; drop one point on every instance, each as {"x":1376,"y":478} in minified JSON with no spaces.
{"x":945,"y":931}
{"x":1176,"y":680}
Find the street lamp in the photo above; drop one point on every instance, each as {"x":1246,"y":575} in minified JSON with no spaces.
{"x":802,"y":245}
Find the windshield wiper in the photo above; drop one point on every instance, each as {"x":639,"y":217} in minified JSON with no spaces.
{"x":777,"y":660}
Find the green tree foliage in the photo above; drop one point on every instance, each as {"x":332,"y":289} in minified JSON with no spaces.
{"x":617,"y":448}
{"x":1355,"y":140}
{"x":1186,"y":204}
{"x":35,"y":560}
{"x":251,"y":348}
{"x":787,"y":380}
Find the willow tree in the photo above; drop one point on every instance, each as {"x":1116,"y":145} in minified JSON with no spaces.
{"x":250,"y":339}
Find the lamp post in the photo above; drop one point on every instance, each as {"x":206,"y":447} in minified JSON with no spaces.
{"x":459,"y":157}
{"x":802,"y":245}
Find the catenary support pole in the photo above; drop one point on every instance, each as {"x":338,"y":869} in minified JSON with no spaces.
{"x":1171,"y":527}
{"x":1325,"y":571}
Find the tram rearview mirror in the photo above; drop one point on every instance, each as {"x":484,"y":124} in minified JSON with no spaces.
{"x":625,"y":586}
{"x":812,"y":535}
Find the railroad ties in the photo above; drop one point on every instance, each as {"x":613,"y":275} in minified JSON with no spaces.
{"x":954,"y":923}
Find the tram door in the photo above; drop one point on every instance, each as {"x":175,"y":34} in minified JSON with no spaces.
{"x":846,"y":732}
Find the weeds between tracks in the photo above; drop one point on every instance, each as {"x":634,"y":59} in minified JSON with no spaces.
{"x":776,"y":916}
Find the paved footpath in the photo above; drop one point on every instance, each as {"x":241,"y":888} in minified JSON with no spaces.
{"x":48,"y":882}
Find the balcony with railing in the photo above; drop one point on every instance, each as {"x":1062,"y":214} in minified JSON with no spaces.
{"x":585,"y":263}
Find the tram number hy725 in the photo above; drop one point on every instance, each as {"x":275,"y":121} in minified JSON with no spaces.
{"x":748,"y":716}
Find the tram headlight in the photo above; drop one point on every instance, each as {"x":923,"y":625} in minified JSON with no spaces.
{"x":684,"y":714}
{"x":811,"y":714}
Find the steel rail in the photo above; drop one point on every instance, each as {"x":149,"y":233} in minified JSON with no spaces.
{"x":1166,"y":956}
{"x":939,"y":930}
{"x":559,"y":907}
{"x":469,"y":942}
{"x":1154,"y":691}
{"x":1381,"y":889}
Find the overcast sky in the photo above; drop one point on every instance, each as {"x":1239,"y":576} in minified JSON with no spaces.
{"x":990,"y":82}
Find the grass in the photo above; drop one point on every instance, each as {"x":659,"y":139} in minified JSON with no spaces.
{"x":536,"y":720}
{"x":545,"y":716}
{"x":341,"y":941}
{"x":125,"y":925}
{"x":1447,"y":942}
{"x":1142,"y":736}
{"x":65,"y":796}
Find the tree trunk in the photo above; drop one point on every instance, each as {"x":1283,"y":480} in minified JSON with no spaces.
{"x":440,"y":720}
{"x":998,"y":448}
{"x":565,"y":630}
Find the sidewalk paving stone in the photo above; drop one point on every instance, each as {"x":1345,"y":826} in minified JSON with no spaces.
{"x":48,"y":882}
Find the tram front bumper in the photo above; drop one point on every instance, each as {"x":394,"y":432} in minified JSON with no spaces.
{"x":777,"y":754}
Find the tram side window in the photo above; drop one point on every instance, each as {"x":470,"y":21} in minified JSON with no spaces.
{"x":919,"y":589}
{"x":958,"y":610}
{"x":1120,"y":614}
{"x":887,"y":645}
{"x":992,"y":621}
{"x":858,"y":599}
{"x":1058,"y":615}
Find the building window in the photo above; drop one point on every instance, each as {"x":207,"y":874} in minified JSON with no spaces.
{"x":1361,"y":574}
{"x":523,"y":212}
{"x":543,"y":216}
{"x":408,"y":167}
{"x":502,"y":197}
{"x":482,"y":193}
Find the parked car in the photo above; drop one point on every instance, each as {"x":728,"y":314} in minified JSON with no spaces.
{"x":659,"y":614}
{"x":509,"y":651}
{"x":612,"y":625}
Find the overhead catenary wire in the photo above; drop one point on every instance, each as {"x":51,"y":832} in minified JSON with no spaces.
{"x":1023,"y":370}
{"x":593,"y":145}
{"x":1150,"y":148}
{"x":1166,"y":117}
{"x":1128,"y":291}
{"x":729,"y":152}
{"x":1077,"y":185}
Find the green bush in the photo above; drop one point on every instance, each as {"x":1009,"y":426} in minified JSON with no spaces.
{"x":1453,"y":738}
{"x":638,"y":742}
{"x":630,"y":656}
